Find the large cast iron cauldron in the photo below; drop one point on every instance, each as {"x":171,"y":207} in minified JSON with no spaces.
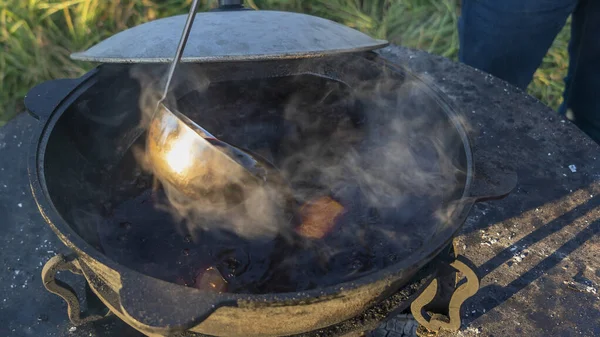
{"x":82,"y":124}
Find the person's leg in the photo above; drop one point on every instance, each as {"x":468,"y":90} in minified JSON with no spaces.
{"x":582,"y":84}
{"x":509,"y":38}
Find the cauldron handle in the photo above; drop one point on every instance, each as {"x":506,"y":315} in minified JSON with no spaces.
{"x":493,"y":179}
{"x":161,"y":305}
{"x":45,"y":97}
{"x":67,"y":263}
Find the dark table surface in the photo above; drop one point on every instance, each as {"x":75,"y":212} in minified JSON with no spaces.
{"x":537,"y":250}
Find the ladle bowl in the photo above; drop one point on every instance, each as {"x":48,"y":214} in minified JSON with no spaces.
{"x":199,"y":166}
{"x":186,"y":157}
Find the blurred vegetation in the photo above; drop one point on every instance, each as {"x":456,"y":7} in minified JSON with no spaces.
{"x":37,"y":36}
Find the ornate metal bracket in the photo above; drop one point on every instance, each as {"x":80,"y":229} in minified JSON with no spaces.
{"x":70,"y":263}
{"x":451,"y":321}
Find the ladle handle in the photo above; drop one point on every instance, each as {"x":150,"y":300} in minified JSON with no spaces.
{"x":182,"y":42}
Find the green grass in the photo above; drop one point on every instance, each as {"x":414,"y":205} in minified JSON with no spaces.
{"x":37,"y":36}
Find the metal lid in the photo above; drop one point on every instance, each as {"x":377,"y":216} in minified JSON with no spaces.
{"x":237,"y":35}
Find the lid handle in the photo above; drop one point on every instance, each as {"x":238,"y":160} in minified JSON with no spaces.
{"x":231,"y":4}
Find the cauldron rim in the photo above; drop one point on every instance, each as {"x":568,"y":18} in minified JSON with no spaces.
{"x":70,"y":90}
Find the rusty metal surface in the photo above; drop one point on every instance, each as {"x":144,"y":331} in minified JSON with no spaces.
{"x":526,"y":247}
{"x":231,"y":36}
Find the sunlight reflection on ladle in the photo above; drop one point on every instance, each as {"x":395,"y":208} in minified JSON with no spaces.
{"x":192,"y":160}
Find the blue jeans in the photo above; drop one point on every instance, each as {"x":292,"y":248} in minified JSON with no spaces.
{"x":509,"y":38}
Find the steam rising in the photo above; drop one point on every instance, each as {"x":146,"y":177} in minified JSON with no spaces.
{"x":376,"y":145}
{"x":234,"y":204}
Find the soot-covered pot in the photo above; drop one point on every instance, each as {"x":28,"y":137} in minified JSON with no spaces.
{"x":82,"y":168}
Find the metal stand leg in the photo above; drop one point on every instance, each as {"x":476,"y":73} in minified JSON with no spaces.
{"x":96,"y":311}
{"x":431,"y":300}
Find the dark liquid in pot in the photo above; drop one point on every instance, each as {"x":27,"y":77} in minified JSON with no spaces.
{"x":139,"y":234}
